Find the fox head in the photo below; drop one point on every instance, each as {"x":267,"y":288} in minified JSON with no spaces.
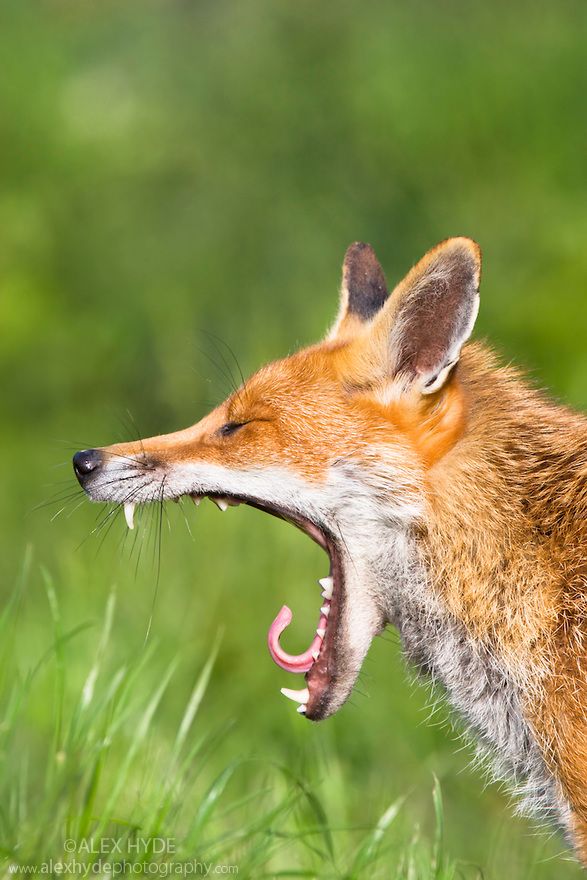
{"x":336,"y":439}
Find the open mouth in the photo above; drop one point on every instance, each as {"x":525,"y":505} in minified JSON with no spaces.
{"x":318,"y":662}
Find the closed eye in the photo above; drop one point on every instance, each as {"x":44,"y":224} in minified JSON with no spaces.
{"x":230,"y":428}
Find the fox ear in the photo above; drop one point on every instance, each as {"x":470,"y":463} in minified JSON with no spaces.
{"x":430,"y":315}
{"x":363,"y":291}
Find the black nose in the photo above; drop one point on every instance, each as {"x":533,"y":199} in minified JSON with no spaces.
{"x":85,"y":462}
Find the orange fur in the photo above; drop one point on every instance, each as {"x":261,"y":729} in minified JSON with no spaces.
{"x":507,"y":537}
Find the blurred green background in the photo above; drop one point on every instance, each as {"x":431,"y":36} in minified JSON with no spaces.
{"x":172,"y":172}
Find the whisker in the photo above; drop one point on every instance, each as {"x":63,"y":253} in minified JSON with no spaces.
{"x":132,"y":459}
{"x":106,"y":531}
{"x":156,"y":591}
{"x":186,"y":520}
{"x":66,"y":494}
{"x":160,"y":530}
{"x":112,"y":518}
{"x":230,"y":351}
{"x":63,"y":498}
{"x":138,"y":433}
{"x":71,"y":512}
{"x":342,"y":538}
{"x":74,"y":445}
{"x":138,"y":542}
{"x":215,"y":339}
{"x":129,"y":426}
{"x":113,"y":509}
{"x":226,"y":376}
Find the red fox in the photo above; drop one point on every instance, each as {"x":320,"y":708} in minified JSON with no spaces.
{"x":449,"y":496}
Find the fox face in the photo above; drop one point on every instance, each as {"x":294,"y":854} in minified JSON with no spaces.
{"x":337,"y":439}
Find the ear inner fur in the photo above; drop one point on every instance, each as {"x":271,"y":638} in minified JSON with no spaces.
{"x":437,"y":307}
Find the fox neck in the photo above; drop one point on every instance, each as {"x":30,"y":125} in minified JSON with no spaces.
{"x":505,"y":512}
{"x":487,"y":576}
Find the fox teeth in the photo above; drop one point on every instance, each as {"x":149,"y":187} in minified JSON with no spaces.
{"x":196,"y":499}
{"x":302,"y":696}
{"x":327,"y":585}
{"x":221,"y":503}
{"x":325,"y":610}
{"x":315,"y":654}
{"x":302,"y":709}
{"x":320,"y":632}
{"x":129,"y":514}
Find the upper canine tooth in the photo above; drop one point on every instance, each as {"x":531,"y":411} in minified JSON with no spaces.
{"x":301,"y":696}
{"x":302,"y":709}
{"x":221,"y":503}
{"x":196,"y":499}
{"x":327,"y":585}
{"x":129,"y":514}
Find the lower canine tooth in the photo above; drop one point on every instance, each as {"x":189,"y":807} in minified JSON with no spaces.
{"x":325,"y":610}
{"x":301,"y":696}
{"x":129,"y":514}
{"x":321,"y":632}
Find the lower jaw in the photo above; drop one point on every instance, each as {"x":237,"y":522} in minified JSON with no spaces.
{"x":314,"y":700}
{"x":320,"y":699}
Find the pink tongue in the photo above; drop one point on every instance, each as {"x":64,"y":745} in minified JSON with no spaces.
{"x":292,"y":662}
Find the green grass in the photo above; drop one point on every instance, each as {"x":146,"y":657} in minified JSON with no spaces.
{"x":172,"y":170}
{"x":122,"y":776}
{"x":104,"y":790}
